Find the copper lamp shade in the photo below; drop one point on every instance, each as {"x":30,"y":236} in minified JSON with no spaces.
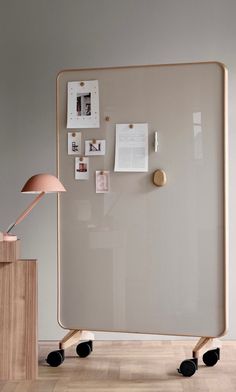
{"x":46,"y":183}
{"x":41,"y":184}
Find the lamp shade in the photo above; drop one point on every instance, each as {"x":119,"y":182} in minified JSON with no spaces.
{"x":43,"y":183}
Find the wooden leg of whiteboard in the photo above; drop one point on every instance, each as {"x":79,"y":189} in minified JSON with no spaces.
{"x":203,"y":342}
{"x":73,"y":337}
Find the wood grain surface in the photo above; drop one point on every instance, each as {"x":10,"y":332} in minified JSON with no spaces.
{"x":18,"y":320}
{"x":9,"y":251}
{"x":131,"y":366}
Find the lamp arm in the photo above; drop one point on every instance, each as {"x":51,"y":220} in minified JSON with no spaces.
{"x":26,"y":212}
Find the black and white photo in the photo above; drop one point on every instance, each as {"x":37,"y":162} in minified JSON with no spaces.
{"x":83,"y":104}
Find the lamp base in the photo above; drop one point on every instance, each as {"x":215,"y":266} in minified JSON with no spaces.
{"x":9,"y":237}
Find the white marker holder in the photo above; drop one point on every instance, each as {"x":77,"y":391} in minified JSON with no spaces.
{"x":156,"y":144}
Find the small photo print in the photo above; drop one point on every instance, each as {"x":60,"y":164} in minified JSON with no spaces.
{"x":95,"y":147}
{"x":102,"y":181}
{"x":74,"y":143}
{"x":83,"y":104}
{"x":81,"y":168}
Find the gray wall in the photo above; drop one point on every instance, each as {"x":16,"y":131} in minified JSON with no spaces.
{"x":38,"y":38}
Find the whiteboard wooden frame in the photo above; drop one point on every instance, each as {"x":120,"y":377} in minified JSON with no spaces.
{"x":225,"y":180}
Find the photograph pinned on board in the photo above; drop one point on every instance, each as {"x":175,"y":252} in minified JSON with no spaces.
{"x":102,"y":181}
{"x":81,"y":168}
{"x":83,"y":104}
{"x":74,"y":143}
{"x":95,"y":147}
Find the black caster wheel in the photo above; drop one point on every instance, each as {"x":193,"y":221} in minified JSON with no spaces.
{"x":84,"y":349}
{"x":55,"y":358}
{"x":211,"y":357}
{"x":188,"y":367}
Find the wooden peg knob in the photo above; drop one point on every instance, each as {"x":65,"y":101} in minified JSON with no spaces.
{"x":159,"y":177}
{"x":131,"y":126}
{"x":81,"y":84}
{"x":107,"y":118}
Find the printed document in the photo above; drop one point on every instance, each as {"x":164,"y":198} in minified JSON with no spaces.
{"x":131,"y":152}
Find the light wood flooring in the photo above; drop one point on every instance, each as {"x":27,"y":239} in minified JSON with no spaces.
{"x":131,"y":366}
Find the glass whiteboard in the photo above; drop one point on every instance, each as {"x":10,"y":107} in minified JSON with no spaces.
{"x":143,"y":258}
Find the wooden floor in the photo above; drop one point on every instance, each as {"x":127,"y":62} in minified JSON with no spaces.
{"x":131,"y":366}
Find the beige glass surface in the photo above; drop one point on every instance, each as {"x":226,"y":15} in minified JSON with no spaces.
{"x":143,"y":258}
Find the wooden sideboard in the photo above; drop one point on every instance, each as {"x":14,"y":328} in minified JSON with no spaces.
{"x":18,"y":314}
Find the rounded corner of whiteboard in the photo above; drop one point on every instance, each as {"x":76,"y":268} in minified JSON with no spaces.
{"x":60,"y":74}
{"x":60,"y":323}
{"x":223,"y":332}
{"x":222,"y":65}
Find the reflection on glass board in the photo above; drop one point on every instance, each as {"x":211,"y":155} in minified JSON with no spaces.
{"x":82,"y":210}
{"x":198,"y":136}
{"x":197,"y":118}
